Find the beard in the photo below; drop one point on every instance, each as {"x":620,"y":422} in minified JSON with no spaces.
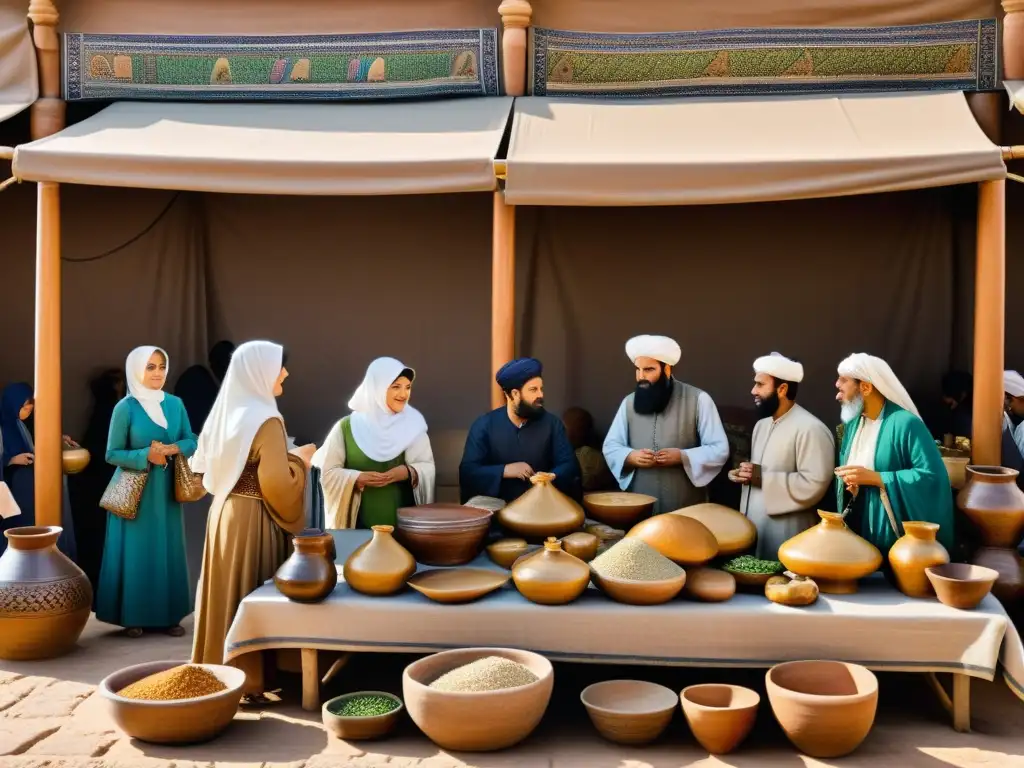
{"x":530,"y":411}
{"x":851,"y":409}
{"x":649,"y":399}
{"x":767,"y":406}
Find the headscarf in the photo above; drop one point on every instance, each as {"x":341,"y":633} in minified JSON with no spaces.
{"x":245,"y":402}
{"x":135,"y":372}
{"x":660,"y":348}
{"x":1013,"y":384}
{"x":515,"y":374}
{"x":381,"y":434}
{"x":780,"y":368}
{"x":16,"y":438}
{"x":877,"y":372}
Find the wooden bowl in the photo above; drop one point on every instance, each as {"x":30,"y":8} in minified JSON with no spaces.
{"x":753,"y":582}
{"x":477,"y":721}
{"x":619,"y":509}
{"x":505,"y":552}
{"x":638,"y":592}
{"x":75,"y":460}
{"x":443,"y":534}
{"x":720,"y":716}
{"x":629,"y":711}
{"x":960,"y":585}
{"x":185,"y":721}
{"x":360,"y":728}
{"x":457,"y":585}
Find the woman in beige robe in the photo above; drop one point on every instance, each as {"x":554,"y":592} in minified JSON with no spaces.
{"x":259,"y":491}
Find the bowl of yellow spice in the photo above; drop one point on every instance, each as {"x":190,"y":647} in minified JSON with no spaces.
{"x":173,"y":702}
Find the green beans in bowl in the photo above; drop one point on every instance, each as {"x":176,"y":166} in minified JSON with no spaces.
{"x":752,"y":572}
{"x":362,"y":715}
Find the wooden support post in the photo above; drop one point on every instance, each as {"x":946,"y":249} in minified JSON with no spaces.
{"x":48,"y":426}
{"x":1013,"y":39}
{"x":962,"y":703}
{"x":989,"y":316}
{"x":515,"y":18}
{"x":310,"y":680}
{"x":49,"y":113}
{"x":503,"y":291}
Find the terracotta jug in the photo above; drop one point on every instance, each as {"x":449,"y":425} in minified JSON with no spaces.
{"x":910,"y":555}
{"x":542,"y":511}
{"x":551,"y":576}
{"x":994,"y":503}
{"x":45,"y":599}
{"x":681,"y":539}
{"x":309,"y":575}
{"x":831,"y":554}
{"x":381,"y":566}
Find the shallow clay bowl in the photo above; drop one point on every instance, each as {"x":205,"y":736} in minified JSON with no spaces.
{"x":457,"y":585}
{"x":751,"y":581}
{"x":629,"y":711}
{"x":75,"y":460}
{"x":360,"y":728}
{"x":619,"y":509}
{"x":638,"y":592}
{"x":482,"y":721}
{"x":442,"y":534}
{"x":187,"y":721}
{"x":505,"y":552}
{"x":960,"y":585}
{"x":720,"y":716}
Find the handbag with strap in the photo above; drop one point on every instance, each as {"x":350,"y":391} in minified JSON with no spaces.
{"x":124,"y":493}
{"x":188,"y":485}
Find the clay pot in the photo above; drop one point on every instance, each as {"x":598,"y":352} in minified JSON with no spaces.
{"x":639,"y":592}
{"x":551,"y":577}
{"x":681,"y":539}
{"x":542,"y":511}
{"x":45,"y":599}
{"x":619,"y":509}
{"x":379,"y":567}
{"x":309,"y":575}
{"x":629,"y":711}
{"x":994,"y":503}
{"x":826,"y":708}
{"x":332,"y":551}
{"x":734,"y":533}
{"x":790,"y":589}
{"x":960,"y":585}
{"x":956,"y":468}
{"x":720,"y":716}
{"x":912,"y":554}
{"x":75,"y":460}
{"x":581,"y":545}
{"x":709,"y":585}
{"x":443,"y":534}
{"x":354,"y":728}
{"x":505,"y":552}
{"x":831,"y":554}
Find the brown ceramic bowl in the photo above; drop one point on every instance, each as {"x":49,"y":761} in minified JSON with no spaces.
{"x":619,"y":509}
{"x":187,"y":721}
{"x":505,"y":552}
{"x":709,"y":585}
{"x":75,"y":460}
{"x":720,"y":716}
{"x":360,"y":728}
{"x":629,"y":711}
{"x":443,"y":534}
{"x":480,"y":721}
{"x":960,"y":585}
{"x":457,"y":585}
{"x":638,"y":592}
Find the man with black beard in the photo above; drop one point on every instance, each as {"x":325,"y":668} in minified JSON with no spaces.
{"x":792,"y":458}
{"x":667,"y":438}
{"x":509,"y":445}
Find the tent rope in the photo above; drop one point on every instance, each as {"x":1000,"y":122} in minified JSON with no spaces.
{"x":135,"y":239}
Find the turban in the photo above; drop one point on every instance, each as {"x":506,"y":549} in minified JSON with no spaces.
{"x":661,"y":348}
{"x":780,"y":367}
{"x":1013,"y":384}
{"x":877,"y":372}
{"x":515,"y":374}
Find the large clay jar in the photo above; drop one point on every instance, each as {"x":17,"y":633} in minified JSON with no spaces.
{"x":551,"y":576}
{"x":45,"y":599}
{"x":381,"y":566}
{"x":309,"y":575}
{"x":994,"y":503}
{"x":917,"y":550}
{"x":831,"y":554}
{"x":681,"y":539}
{"x":542,"y":511}
{"x":734,"y":532}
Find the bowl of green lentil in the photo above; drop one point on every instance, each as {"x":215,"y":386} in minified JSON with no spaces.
{"x":751,"y":572}
{"x":361,"y":716}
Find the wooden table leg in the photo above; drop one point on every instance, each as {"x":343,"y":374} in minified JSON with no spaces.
{"x":310,"y":680}
{"x":336,"y":667}
{"x":962,"y":703}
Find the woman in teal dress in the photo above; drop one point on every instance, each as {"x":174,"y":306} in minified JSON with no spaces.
{"x":144,"y":582}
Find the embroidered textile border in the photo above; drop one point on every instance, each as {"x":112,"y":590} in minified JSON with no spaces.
{"x":388,"y":65}
{"x":959,"y":55}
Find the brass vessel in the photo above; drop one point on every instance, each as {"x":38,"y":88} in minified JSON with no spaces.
{"x":381,"y":566}
{"x":542,"y":511}
{"x":831,"y":554}
{"x":551,"y":576}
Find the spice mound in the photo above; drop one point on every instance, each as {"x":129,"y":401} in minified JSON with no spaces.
{"x":184,"y":682}
{"x":365,"y":705}
{"x":750,"y":564}
{"x":492,"y":673}
{"x":635,"y":560}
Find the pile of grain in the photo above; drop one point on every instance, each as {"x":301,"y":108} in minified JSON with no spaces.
{"x":635,"y":560}
{"x":491,"y":673}
{"x":184,"y":682}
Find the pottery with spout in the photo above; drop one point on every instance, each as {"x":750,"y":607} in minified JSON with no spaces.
{"x":551,"y":576}
{"x":381,"y":566}
{"x":542,"y":511}
{"x":831,"y":554}
{"x":912,"y":554}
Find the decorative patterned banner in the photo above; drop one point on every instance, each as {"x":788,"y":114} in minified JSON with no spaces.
{"x":387,"y":65}
{"x":959,"y":55}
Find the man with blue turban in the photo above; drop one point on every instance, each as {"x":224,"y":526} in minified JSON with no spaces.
{"x":510,"y":444}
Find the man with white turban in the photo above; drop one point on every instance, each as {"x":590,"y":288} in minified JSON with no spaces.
{"x":667,"y":439}
{"x":888,"y":461}
{"x":792,"y":458}
{"x":1013,"y":413}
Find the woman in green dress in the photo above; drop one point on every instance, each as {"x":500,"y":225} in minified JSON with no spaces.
{"x":377,"y":458}
{"x":144,"y":582}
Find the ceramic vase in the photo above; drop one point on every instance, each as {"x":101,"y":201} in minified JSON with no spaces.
{"x":831,"y":554}
{"x":551,"y":576}
{"x":309,"y":575}
{"x":917,"y":550}
{"x":994,"y":503}
{"x":45,"y":599}
{"x":381,"y":566}
{"x":542,"y":511}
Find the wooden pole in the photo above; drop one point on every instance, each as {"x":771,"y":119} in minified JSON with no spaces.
{"x":503,"y":291}
{"x":49,"y":112}
{"x":48,"y":428}
{"x":1013,"y":39}
{"x":515,"y":18}
{"x":989,"y":317}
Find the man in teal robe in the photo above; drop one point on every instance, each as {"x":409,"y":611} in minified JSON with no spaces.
{"x":888,"y":460}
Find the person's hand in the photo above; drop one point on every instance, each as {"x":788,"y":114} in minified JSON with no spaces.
{"x":70,"y":443}
{"x":397,"y":474}
{"x":742,"y":474}
{"x":22,"y":460}
{"x":855,"y":477}
{"x":518,"y":471}
{"x":156,"y":456}
{"x":371,"y":480}
{"x":171,"y":450}
{"x":305,"y":452}
{"x":671,"y":457}
{"x":641,"y":459}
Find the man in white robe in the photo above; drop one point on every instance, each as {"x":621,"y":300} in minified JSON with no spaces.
{"x":667,"y":439}
{"x":792,"y":458}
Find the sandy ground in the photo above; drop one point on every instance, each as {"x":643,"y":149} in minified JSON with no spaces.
{"x":50,"y":717}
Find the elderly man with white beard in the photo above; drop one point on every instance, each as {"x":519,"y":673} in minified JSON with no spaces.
{"x":888,"y":460}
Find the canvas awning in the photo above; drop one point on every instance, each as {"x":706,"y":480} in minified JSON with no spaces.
{"x":19,"y":79}
{"x":295,"y":149}
{"x":735,"y":150}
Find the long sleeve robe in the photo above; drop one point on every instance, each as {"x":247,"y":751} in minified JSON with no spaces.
{"x":796,"y":454}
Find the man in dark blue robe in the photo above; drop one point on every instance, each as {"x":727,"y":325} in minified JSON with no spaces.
{"x":510,"y":444}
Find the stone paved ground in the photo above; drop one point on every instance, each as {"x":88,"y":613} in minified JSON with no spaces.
{"x":51,"y":718}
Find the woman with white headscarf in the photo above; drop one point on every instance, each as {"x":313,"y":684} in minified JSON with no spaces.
{"x":143,"y":583}
{"x":378,"y":458}
{"x":259,"y":494}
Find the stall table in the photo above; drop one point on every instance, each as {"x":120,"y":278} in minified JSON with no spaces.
{"x":878,"y":627}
